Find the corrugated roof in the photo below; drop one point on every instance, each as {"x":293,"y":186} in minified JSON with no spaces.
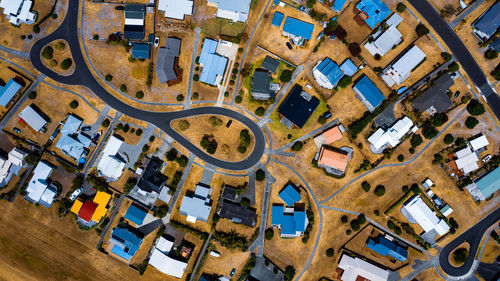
{"x":385,"y":247}
{"x":176,"y":9}
{"x":277,"y":19}
{"x":87,"y":210}
{"x":338,"y":5}
{"x":261,"y":82}
{"x":330,"y":70}
{"x":332,"y":135}
{"x":298,"y":28}
{"x":376,"y":11}
{"x":135,"y":214}
{"x":490,"y":183}
{"x":32,"y":118}
{"x":348,"y":67}
{"x":126,"y":242}
{"x":290,"y":195}
{"x":213,"y":64}
{"x":489,"y":22}
{"x":479,"y":142}
{"x":290,"y":223}
{"x":8,"y":91}
{"x":369,"y":91}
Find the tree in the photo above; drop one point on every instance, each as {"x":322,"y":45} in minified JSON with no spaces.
{"x":378,"y":69}
{"x":453,"y":223}
{"x":47,"y":52}
{"x":344,"y":219}
{"x":95,"y":37}
{"x":401,"y":7}
{"x":286,"y":76}
{"x":180,"y":97}
{"x":171,"y":155}
{"x":215,"y":121}
{"x":446,"y":56}
{"x":471,"y":122}
{"x":162,"y":211}
{"x":379,"y":190}
{"x":460,"y":255}
{"x":245,"y":202}
{"x":376,"y":212}
{"x":322,"y":119}
{"x":32,"y":158}
{"x":260,"y":175}
{"x":429,"y":131}
{"x":269,"y":233}
{"x":460,"y":142}
{"x":123,"y":88}
{"x":139,"y":94}
{"x":391,"y":225}
{"x":60,"y":46}
{"x":448,"y":11}
{"x":405,"y":189}
{"x":310,"y":3}
{"x":129,"y":185}
{"x":475,"y":108}
{"x":138,"y":132}
{"x":66,"y":64}
{"x":453,"y":67}
{"x":196,"y":95}
{"x":365,"y":186}
{"x":36,"y":28}
{"x":491,"y":54}
{"x":182,"y":161}
{"x":238,"y":99}
{"x":496,"y":72}
{"x":32,"y":95}
{"x":448,"y":139}
{"x":105,"y":123}
{"x":344,"y":82}
{"x":354,"y":49}
{"x":416,"y":140}
{"x":196,"y":77}
{"x":401,"y":158}
{"x":209,"y":143}
{"x":260,"y":111}
{"x":411,"y":150}
{"x":289,"y":273}
{"x":330,"y":252}
{"x":73,"y":104}
{"x":108,"y":77}
{"x":297,"y":146}
{"x":377,"y":56}
{"x":421,"y":30}
{"x":439,"y":119}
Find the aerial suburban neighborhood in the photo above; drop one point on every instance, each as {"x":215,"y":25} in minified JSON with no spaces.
{"x":250,"y":140}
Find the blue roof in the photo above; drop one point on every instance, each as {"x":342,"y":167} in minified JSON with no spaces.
{"x":290,"y":223}
{"x":489,"y":22}
{"x":385,"y":247}
{"x":298,"y":28}
{"x":135,"y":214}
{"x":495,"y":45}
{"x":338,"y":5}
{"x":331,"y":70}
{"x":126,"y":242}
{"x":212,"y":63}
{"x":375,"y":10}
{"x":490,"y":183}
{"x":8,"y":91}
{"x":289,"y":195}
{"x":277,"y":19}
{"x":140,"y":51}
{"x":348,"y":67}
{"x":369,"y":91}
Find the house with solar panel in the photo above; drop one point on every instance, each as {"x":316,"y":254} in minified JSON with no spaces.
{"x":213,"y":64}
{"x":125,"y":241}
{"x":368,"y":93}
{"x":8,"y":92}
{"x":72,"y":142}
{"x":297,"y":30}
{"x":371,"y":12}
{"x":385,"y":247}
{"x":289,"y":219}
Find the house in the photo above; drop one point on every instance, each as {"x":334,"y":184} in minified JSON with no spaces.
{"x":125,"y":242}
{"x":160,"y":259}
{"x":348,"y":67}
{"x":176,"y":9}
{"x":299,"y":31}
{"x":277,"y":19}
{"x":141,"y":51}
{"x":382,"y":139}
{"x":290,"y":195}
{"x":297,"y":107}
{"x":291,"y":222}
{"x":485,"y":187}
{"x":479,"y":143}
{"x":8,"y":91}
{"x":434,"y":99}
{"x":401,"y":69}
{"x":30,"y":116}
{"x":355,"y":269}
{"x":112,"y":163}
{"x":270,"y":64}
{"x":197,"y":206}
{"x":386,"y":247}
{"x":151,"y":184}
{"x":372,"y":12}
{"x":368,"y":93}
{"x":416,"y":211}
{"x":135,"y":15}
{"x":167,"y":60}
{"x":18,"y":11}
{"x":39,"y":190}
{"x":232,"y":10}
{"x":71,"y":142}
{"x":487,"y":24}
{"x":236,"y":213}
{"x":338,"y":5}
{"x":229,"y":193}
{"x":213,"y":65}
{"x":327,"y":73}
{"x":11,"y":165}
{"x":333,"y":158}
{"x":466,"y":160}
{"x":329,"y":136}
{"x":135,"y":214}
{"x":90,"y":212}
{"x":383,"y":40}
{"x":495,"y":45}
{"x":261,"y":85}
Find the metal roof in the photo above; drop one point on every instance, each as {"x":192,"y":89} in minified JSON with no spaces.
{"x":369,"y":91}
{"x":176,"y":9}
{"x":213,"y":64}
{"x":290,"y":223}
{"x":338,"y":5}
{"x":270,"y":64}
{"x":290,"y":195}
{"x":490,"y":183}
{"x":166,"y":264}
{"x":126,"y":242}
{"x":165,"y":60}
{"x":135,"y":11}
{"x":296,"y":108}
{"x":8,"y":91}
{"x":348,"y":67}
{"x":435,"y":96}
{"x":376,"y":11}
{"x":479,"y":142}
{"x":141,"y":51}
{"x":277,"y":19}
{"x":261,"y":82}
{"x":197,"y":206}
{"x":330,"y":70}
{"x":135,"y":214}
{"x":489,"y":21}
{"x":32,"y":118}
{"x":236,"y":10}
{"x":418,"y":212}
{"x":237,"y":213}
{"x":385,"y":247}
{"x":298,"y":28}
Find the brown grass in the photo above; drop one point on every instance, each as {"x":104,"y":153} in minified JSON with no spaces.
{"x":228,"y":260}
{"x":58,"y":57}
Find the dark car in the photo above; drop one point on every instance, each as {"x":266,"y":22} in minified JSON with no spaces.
{"x":457,"y":94}
{"x":289,"y":46}
{"x":327,"y":115}
{"x":229,"y":123}
{"x":16,"y":130}
{"x":120,"y":8}
{"x":86,"y":129}
{"x":232,"y":272}
{"x":302,"y":8}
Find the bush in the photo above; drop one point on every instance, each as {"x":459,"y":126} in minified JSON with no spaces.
{"x":123,"y":88}
{"x":226,"y":94}
{"x":73,"y":104}
{"x":401,"y":158}
{"x":151,"y":138}
{"x":379,"y":190}
{"x":421,"y":30}
{"x":376,"y":212}
{"x":289,"y":273}
{"x":471,"y":122}
{"x":344,"y":219}
{"x":453,"y":223}
{"x":53,"y":63}
{"x":429,"y":131}
{"x":416,"y":140}
{"x":215,"y":121}
{"x":344,"y":82}
{"x":448,"y":139}
{"x":139,"y":94}
{"x":105,"y":123}
{"x":411,"y":150}
{"x":405,"y":189}
{"x":286,"y":75}
{"x":354,"y":49}
{"x":453,"y":67}
{"x":348,"y":232}
{"x":126,"y":128}
{"x":238,"y":99}
{"x":260,"y":111}
{"x":171,"y":155}
{"x":36,"y":28}
{"x":30,"y":36}
{"x":180,"y":97}
{"x":23,"y":37}
{"x":242,"y":149}
{"x":401,"y":7}
{"x":138,"y":132}
{"x":66,"y":64}
{"x":196,"y":95}
{"x":209,"y":144}
{"x":365,"y":186}
{"x":377,"y":56}
{"x":446,"y":56}
{"x":32,"y":95}
{"x":322,"y":119}
{"x":297,"y":146}
{"x":53,"y":16}
{"x":269,"y":234}
{"x":391,"y":225}
{"x":132,"y":59}
{"x":475,"y":108}
{"x":47,"y":52}
{"x":162,"y":211}
{"x":460,"y":255}
{"x":95,"y":37}
{"x":108,"y":77}
{"x":491,"y":54}
{"x":60,"y":46}
{"x":378,"y":69}
{"x":330,"y":252}
{"x":196,"y":77}
{"x":496,"y":72}
{"x":260,"y":175}
{"x":183,"y":125}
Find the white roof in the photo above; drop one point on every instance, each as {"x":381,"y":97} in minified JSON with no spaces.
{"x":176,"y":9}
{"x":467,"y":160}
{"x":110,"y":165}
{"x":15,"y":158}
{"x":38,"y":183}
{"x":401,"y":69}
{"x":167,"y":264}
{"x":385,"y":41}
{"x":32,"y":118}
{"x":424,"y":216}
{"x":130,"y":21}
{"x":392,"y":135}
{"x":471,"y":167}
{"x":394,"y":20}
{"x":48,"y":196}
{"x":164,"y":245}
{"x":479,"y":142}
{"x":463,"y":152}
{"x":11,"y":7}
{"x":427,"y":183}
{"x":354,"y":267}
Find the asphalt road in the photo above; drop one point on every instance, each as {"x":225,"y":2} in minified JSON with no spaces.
{"x":473,"y":236}
{"x":68,"y":30}
{"x":460,"y":51}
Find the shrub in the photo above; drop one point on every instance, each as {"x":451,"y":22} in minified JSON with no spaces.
{"x":53,"y":16}
{"x":162,"y":211}
{"x":365,"y":186}
{"x":391,"y":225}
{"x":448,"y":139}
{"x":289,"y":273}
{"x":460,"y":142}
{"x":238,"y":99}
{"x":244,"y":138}
{"x":286,"y":75}
{"x":416,"y":140}
{"x":496,"y":72}
{"x":30,"y":36}
{"x":345,"y":81}
{"x":376,"y":212}
{"x":95,"y":37}
{"x":126,"y":128}
{"x":123,"y":88}
{"x":226,"y":94}
{"x":453,"y":67}
{"x":47,"y":52}
{"x":183,"y":125}
{"x":108,"y":77}
{"x":36,"y":28}
{"x":475,"y":108}
{"x":23,"y":37}
{"x":60,"y":46}
{"x":180,"y":97}
{"x":171,"y":155}
{"x":401,"y":7}
{"x":235,"y":71}
{"x":348,"y":232}
{"x":411,"y":150}
{"x":379,"y":190}
{"x":344,"y":219}
{"x":460,"y":255}
{"x":405,"y":189}
{"x":260,"y":111}
{"x":73,"y":104}
{"x":196,"y":95}
{"x":196,"y":77}
{"x":330,"y":252}
{"x":322,"y":119}
{"x":269,"y":234}
{"x":215,"y":121}
{"x":242,"y":149}
{"x":491,"y":54}
{"x":66,"y":64}
{"x":354,"y":49}
{"x":53,"y":63}
{"x":378,"y":69}
{"x":105,"y":123}
{"x":421,"y":30}
{"x":260,"y":175}
{"x":377,"y":56}
{"x":453,"y":223}
{"x":429,"y":131}
{"x":152,"y":138}
{"x":138,"y":132}
{"x":446,"y":56}
{"x":297,"y":146}
{"x":182,"y":160}
{"x":471,"y":122}
{"x":401,"y":158}
{"x":32,"y":95}
{"x":139,"y":94}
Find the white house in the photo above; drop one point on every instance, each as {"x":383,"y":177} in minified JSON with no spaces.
{"x":381,"y":139}
{"x":354,"y":268}
{"x":38,"y":190}
{"x":176,"y":9}
{"x":416,"y":211}
{"x":400,"y":70}
{"x":11,"y":165}
{"x":466,"y":160}
{"x":18,"y":11}
{"x":112,"y":164}
{"x":479,"y":143}
{"x":197,"y":206}
{"x":161,"y":261}
{"x":231,"y":9}
{"x":385,"y":40}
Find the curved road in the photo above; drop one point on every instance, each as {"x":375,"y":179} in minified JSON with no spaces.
{"x":68,"y":30}
{"x":473,"y":236}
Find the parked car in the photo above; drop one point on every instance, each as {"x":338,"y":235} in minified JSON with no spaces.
{"x":229,"y":123}
{"x":288,"y":45}
{"x":86,"y":129}
{"x":302,"y":8}
{"x":16,"y":130}
{"x":486,"y":158}
{"x":75,"y":194}
{"x":232,"y":272}
{"x":215,"y":254}
{"x":157,"y":41}
{"x":457,"y":94}
{"x":327,"y":115}
{"x":120,"y":8}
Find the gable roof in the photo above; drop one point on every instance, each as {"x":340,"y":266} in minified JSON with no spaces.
{"x":333,"y":158}
{"x":369,"y":91}
{"x":277,"y":19}
{"x":356,"y":267}
{"x":490,"y":183}
{"x":126,"y":242}
{"x":261,"y":82}
{"x":135,"y":214}
{"x":229,"y":193}
{"x":290,"y":195}
{"x":135,"y":11}
{"x":165,"y":60}
{"x":152,"y":179}
{"x":385,"y":247}
{"x":435,"y":96}
{"x":197,"y":206}
{"x":298,"y":106}
{"x":32,"y":118}
{"x":38,"y":183}
{"x":140,"y":51}
{"x":298,"y":28}
{"x":87,"y":210}
{"x":348,"y":67}
{"x":213,"y":64}
{"x":290,"y":223}
{"x":489,"y":21}
{"x":332,"y":135}
{"x":166,"y":264}
{"x":8,"y":91}
{"x":176,"y":9}
{"x":330,"y":71}
{"x":270,"y":64}
{"x":420,"y":213}
{"x":237,"y":213}
{"x":375,"y":10}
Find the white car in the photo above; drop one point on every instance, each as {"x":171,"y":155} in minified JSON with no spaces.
{"x":157,"y":41}
{"x":75,"y":194}
{"x":486,"y":158}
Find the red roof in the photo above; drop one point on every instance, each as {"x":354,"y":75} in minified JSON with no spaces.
{"x":87,"y":210}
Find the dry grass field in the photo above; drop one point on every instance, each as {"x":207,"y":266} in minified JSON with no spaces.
{"x":491,"y":251}
{"x":447,"y":5}
{"x":228,"y":260}
{"x":61,"y":53}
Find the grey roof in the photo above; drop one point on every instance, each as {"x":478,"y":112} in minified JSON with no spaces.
{"x":435,"y":96}
{"x":237,"y":213}
{"x":133,"y":32}
{"x":261,"y":83}
{"x":197,"y":205}
{"x":152,"y":178}
{"x":229,"y":193}
{"x":135,"y":11}
{"x":270,"y":64}
{"x":165,"y":61}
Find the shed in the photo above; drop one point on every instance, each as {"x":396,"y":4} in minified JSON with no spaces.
{"x":8,"y":91}
{"x":277,"y":19}
{"x":141,"y":51}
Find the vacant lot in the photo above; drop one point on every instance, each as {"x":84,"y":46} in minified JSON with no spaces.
{"x":447,"y":8}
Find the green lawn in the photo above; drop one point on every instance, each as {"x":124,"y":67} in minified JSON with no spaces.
{"x":214,"y":27}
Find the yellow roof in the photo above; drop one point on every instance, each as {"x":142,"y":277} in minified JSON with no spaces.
{"x":99,"y":213}
{"x":102,"y":199}
{"x":76,"y":206}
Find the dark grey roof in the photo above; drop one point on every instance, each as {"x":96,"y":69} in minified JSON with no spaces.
{"x":165,"y":61}
{"x":298,"y":107}
{"x":270,"y":64}
{"x":237,"y":213}
{"x":261,"y":83}
{"x":152,"y":179}
{"x":435,"y":96}
{"x":133,"y":32}
{"x":229,"y":193}
{"x":135,"y":11}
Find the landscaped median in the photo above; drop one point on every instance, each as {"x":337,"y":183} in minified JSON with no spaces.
{"x":57,"y":57}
